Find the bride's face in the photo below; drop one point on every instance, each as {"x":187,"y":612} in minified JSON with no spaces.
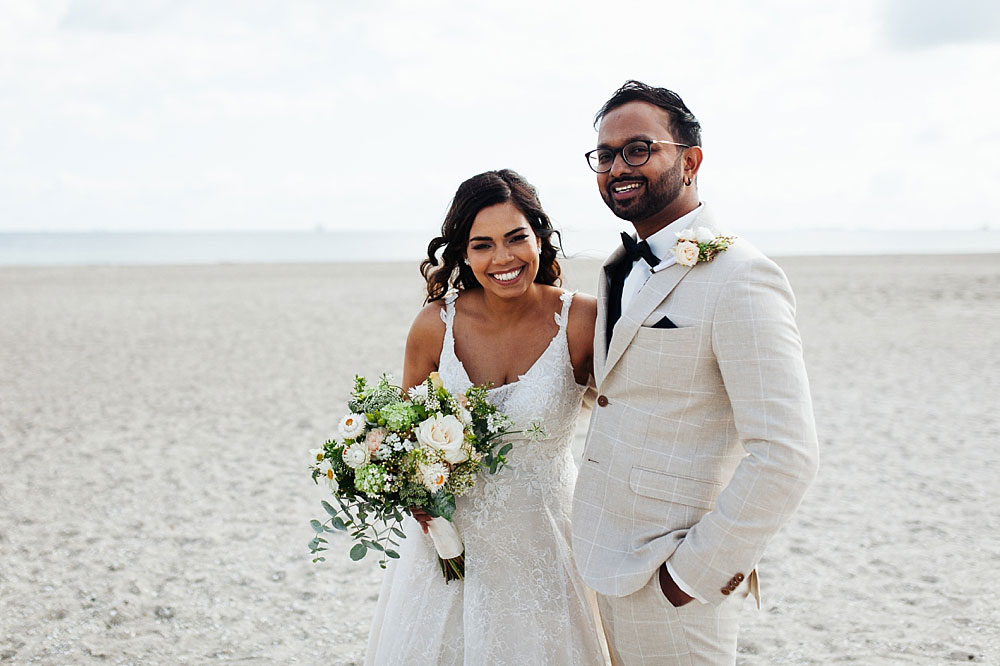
{"x":503,"y":250}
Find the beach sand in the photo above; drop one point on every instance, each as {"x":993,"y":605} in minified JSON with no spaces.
{"x":155,"y":422}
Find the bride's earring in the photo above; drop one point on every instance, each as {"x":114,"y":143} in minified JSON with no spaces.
{"x":466,"y":261}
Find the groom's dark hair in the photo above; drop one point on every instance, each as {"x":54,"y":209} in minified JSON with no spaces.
{"x":683,"y":124}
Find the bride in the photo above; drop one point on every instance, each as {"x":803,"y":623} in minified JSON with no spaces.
{"x":495,"y":315}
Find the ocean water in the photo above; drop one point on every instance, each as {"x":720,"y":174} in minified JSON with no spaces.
{"x":145,"y":248}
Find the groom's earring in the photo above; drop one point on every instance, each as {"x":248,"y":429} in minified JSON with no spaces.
{"x":687,"y":181}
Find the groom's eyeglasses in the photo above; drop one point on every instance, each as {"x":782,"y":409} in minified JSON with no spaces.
{"x":635,"y":153}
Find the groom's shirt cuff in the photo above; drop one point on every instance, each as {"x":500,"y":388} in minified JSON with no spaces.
{"x":685,"y":588}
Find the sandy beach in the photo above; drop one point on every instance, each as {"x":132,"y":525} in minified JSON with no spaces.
{"x":155,"y":421}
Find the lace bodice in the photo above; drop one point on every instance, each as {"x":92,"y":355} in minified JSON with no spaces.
{"x":547,"y":395}
{"x":522,"y":601}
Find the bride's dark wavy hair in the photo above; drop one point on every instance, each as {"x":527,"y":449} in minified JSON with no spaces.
{"x":479,"y":192}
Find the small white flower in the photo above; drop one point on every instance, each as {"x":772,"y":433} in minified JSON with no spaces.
{"x":536,"y":432}
{"x":326,"y":473}
{"x":418,"y":394}
{"x":356,"y":455}
{"x":374,"y":438}
{"x":686,"y":253}
{"x":316,"y":455}
{"x":704,"y":235}
{"x":351,"y":426}
{"x":686,"y":235}
{"x":434,"y":476}
{"x":445,"y":434}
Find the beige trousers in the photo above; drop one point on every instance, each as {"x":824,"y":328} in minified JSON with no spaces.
{"x":645,"y":629}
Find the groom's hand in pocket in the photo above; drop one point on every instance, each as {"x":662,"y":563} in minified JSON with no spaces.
{"x":675,"y":595}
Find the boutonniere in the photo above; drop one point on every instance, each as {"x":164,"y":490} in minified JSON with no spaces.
{"x":695,"y":246}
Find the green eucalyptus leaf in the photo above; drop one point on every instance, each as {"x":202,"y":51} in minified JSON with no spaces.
{"x":317,"y":526}
{"x":359,"y":551}
{"x":391,"y":553}
{"x":329,"y":509}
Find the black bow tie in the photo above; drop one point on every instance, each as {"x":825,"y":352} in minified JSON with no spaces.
{"x":638,"y":250}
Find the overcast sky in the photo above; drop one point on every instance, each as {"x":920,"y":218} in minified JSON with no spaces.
{"x":246,"y":114}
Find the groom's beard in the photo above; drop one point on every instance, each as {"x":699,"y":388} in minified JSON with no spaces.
{"x":656,"y":195}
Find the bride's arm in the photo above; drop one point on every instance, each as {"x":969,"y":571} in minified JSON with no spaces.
{"x":423,"y":345}
{"x":580,"y":331}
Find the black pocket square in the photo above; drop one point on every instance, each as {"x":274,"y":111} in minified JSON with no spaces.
{"x":664,"y":323}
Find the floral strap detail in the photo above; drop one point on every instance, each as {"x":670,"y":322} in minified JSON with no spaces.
{"x":699,"y":246}
{"x":562,"y":317}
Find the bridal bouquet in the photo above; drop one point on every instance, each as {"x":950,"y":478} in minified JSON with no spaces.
{"x":395,"y":451}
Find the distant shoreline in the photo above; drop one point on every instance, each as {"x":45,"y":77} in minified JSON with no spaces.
{"x":222,"y":248}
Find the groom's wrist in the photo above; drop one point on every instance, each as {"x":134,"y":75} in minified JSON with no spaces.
{"x":674,"y":594}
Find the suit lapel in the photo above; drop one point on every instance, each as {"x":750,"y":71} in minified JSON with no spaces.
{"x":601,"y":326}
{"x":652,"y":294}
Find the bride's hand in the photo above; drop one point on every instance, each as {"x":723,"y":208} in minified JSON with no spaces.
{"x":421,"y":517}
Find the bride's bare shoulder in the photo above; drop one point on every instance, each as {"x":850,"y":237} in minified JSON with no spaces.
{"x":428,"y":323}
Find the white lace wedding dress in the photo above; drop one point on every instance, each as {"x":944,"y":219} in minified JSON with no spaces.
{"x":522,"y":601}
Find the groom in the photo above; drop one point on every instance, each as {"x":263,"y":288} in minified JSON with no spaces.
{"x":702,"y":442}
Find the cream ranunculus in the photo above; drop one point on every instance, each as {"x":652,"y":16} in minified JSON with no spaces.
{"x":374,"y":438}
{"x":351,"y":426}
{"x":445,"y":434}
{"x":686,"y":253}
{"x":356,"y":455}
{"x":704,"y":235}
{"x":435,"y":380}
{"x":686,"y":235}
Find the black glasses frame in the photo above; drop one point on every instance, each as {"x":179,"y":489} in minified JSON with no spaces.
{"x":621,"y":151}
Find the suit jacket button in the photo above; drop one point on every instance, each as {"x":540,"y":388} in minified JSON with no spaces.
{"x":738,"y":578}
{"x":725,"y":590}
{"x":602,"y":400}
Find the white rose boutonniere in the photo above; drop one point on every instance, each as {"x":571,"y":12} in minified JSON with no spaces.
{"x":445,"y":434}
{"x":698,"y":245}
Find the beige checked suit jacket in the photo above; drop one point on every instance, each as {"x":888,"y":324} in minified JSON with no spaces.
{"x":702,"y":441}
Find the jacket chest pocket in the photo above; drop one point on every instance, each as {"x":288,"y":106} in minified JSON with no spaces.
{"x":666,"y":357}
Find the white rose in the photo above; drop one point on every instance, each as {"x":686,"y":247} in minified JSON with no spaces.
{"x":686,"y":235}
{"x":686,"y":253}
{"x":351,"y":426}
{"x":704,"y":235}
{"x":374,"y":438}
{"x":445,"y":434}
{"x":356,"y":455}
{"x":434,"y":476}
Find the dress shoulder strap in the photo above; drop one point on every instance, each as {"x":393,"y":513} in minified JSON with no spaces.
{"x":448,"y":313}
{"x":562,"y":317}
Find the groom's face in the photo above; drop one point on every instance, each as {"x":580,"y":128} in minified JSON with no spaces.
{"x":636,"y":193}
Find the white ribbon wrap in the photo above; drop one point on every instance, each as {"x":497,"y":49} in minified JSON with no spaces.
{"x":446,"y":539}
